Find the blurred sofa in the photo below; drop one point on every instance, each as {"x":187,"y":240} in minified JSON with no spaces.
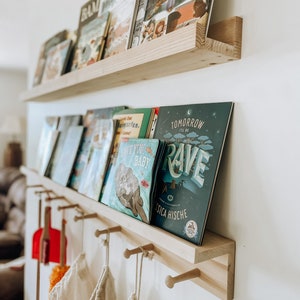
{"x":12,"y":231}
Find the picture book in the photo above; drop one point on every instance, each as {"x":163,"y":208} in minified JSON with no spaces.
{"x":165,"y":16}
{"x":66,"y":160}
{"x":132,"y":123}
{"x":131,"y":186}
{"x":91,"y":42}
{"x":138,"y":22}
{"x":98,"y":158}
{"x":46,"y":46}
{"x":195,"y":135}
{"x":57,"y":59}
{"x":89,"y":122}
{"x":47,"y":141}
{"x":120,"y":29}
{"x":64,"y":123}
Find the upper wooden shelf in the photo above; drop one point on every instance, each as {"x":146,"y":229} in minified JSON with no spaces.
{"x":183,"y":50}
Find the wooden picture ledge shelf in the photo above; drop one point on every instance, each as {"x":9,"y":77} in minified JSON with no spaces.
{"x":215,"y":259}
{"x":185,"y":49}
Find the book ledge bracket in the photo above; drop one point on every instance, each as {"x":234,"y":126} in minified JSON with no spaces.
{"x":183,"y":50}
{"x":210,"y":266}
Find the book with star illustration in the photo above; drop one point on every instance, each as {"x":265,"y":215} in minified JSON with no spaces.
{"x":195,"y":135}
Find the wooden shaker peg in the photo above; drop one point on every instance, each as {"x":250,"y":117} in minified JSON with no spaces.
{"x":171,"y":281}
{"x":128,"y":253}
{"x":107,"y":230}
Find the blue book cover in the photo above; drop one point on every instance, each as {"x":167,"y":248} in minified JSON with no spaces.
{"x":195,"y":136}
{"x":130,"y":188}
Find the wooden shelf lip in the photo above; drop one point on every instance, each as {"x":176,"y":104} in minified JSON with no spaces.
{"x":213,"y":244}
{"x":183,"y":50}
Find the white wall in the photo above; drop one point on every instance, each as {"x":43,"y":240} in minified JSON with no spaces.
{"x":12,"y":82}
{"x":256,"y":201}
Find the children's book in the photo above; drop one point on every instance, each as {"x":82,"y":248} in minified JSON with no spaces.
{"x":64,"y":123}
{"x":98,"y":158}
{"x":57,"y":59}
{"x":91,"y":42}
{"x":195,"y":135}
{"x":131,"y":186}
{"x":66,"y":160}
{"x":120,"y":29}
{"x":45,"y":47}
{"x":89,"y":121}
{"x":47,"y":141}
{"x":165,"y":16}
{"x":132,"y":123}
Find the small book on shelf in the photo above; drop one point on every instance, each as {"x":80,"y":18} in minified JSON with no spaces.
{"x":47,"y":142}
{"x":64,"y":123}
{"x":132,"y":185}
{"x":67,"y":157}
{"x":195,"y":135}
{"x":98,"y":158}
{"x":57,"y":60}
{"x":90,"y":120}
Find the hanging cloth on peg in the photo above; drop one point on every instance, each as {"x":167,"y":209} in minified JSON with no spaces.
{"x":135,"y":295}
{"x":105,"y":289}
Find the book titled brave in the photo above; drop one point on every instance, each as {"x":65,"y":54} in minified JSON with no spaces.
{"x":132,"y":185}
{"x":195,"y":136}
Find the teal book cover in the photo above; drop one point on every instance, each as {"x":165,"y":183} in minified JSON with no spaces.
{"x":130,"y":188}
{"x":195,"y":136}
{"x":89,"y":122}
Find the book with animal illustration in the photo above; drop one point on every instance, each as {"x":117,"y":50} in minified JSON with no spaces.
{"x":195,"y":135}
{"x":66,"y":160}
{"x":131,"y":186}
{"x":91,"y":42}
{"x":98,"y":158}
{"x":89,"y":122}
{"x":132,"y":123}
{"x":47,"y":142}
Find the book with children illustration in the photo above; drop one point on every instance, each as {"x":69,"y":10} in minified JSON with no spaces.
{"x":195,"y":135}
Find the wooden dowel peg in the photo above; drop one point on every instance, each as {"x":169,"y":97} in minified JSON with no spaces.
{"x":107,"y":230}
{"x":33,"y":186}
{"x":88,"y":216}
{"x":61,"y":207}
{"x":55,"y":198}
{"x":171,"y":281}
{"x":127,"y":253}
{"x":43,"y":192}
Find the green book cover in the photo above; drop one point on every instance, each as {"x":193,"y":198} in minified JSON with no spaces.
{"x":195,"y":136}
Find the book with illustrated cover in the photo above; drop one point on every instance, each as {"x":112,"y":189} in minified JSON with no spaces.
{"x":98,"y":158}
{"x":131,"y":187}
{"x":45,"y":47}
{"x":47,"y":142}
{"x":91,"y":42}
{"x":89,"y":122}
{"x":120,"y":29}
{"x":64,"y":123}
{"x":195,"y":135}
{"x":165,"y":16}
{"x":66,"y":160}
{"x":57,"y":60}
{"x":132,"y":123}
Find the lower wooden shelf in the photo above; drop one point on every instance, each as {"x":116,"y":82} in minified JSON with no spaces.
{"x":215,"y":258}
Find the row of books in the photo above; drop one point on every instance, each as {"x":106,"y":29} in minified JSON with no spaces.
{"x":158,"y":165}
{"x":107,"y":27}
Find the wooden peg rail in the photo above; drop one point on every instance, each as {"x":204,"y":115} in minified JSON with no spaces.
{"x":215,"y":258}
